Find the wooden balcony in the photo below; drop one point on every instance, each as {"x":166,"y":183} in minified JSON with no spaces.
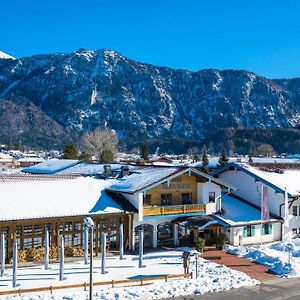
{"x":173,"y":210}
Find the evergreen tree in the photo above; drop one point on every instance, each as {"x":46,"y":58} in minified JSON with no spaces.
{"x":107,"y":156}
{"x":196,"y":158}
{"x":145,"y":152}
{"x":19,"y":146}
{"x":70,"y":152}
{"x":223,"y":160}
{"x":84,"y":157}
{"x":10,"y":144}
{"x":205,"y":162}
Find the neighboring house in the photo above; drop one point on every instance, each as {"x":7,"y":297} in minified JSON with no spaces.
{"x":163,"y":196}
{"x":244,"y":225}
{"x":249,"y":180}
{"x":31,"y":203}
{"x":7,"y":163}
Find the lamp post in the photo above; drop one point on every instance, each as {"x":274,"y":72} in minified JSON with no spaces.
{"x":46,"y":249}
{"x":2,"y":254}
{"x":89,"y":223}
{"x":15,"y":263}
{"x":121,"y":241}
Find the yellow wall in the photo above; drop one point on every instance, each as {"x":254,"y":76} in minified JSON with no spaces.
{"x":182,"y":184}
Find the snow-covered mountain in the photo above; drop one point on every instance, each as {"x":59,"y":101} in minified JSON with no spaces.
{"x":4,"y":55}
{"x":85,"y":89}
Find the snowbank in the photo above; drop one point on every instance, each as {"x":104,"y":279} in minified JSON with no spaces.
{"x":273,"y":256}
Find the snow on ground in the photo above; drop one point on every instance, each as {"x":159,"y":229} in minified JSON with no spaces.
{"x":212,"y":277}
{"x":273,"y":256}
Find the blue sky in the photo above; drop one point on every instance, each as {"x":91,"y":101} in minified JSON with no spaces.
{"x":262,"y":36}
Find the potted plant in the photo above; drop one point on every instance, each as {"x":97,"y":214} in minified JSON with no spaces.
{"x":221,"y":240}
{"x":200,"y":245}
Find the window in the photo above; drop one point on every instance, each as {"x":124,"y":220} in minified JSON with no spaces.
{"x":186,"y":198}
{"x":68,"y":240}
{"x":28,"y":230}
{"x":294,"y":230}
{"x":77,"y":226}
{"x":27,"y":243}
{"x":37,"y":242}
{"x":37,"y":229}
{"x":68,"y":226}
{"x":166,"y":199}
{"x":295,"y":210}
{"x":211,"y":197}
{"x":267,"y":228}
{"x":249,"y":230}
{"x":147,"y":200}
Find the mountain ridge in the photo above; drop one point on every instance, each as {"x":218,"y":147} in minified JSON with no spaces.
{"x":85,"y":89}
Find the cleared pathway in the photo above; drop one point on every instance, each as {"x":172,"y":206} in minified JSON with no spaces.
{"x":252,"y":269}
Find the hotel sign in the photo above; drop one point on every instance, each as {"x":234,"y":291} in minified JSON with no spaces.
{"x":176,"y":184}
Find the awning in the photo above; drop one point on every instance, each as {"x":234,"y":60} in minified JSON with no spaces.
{"x":199,"y":221}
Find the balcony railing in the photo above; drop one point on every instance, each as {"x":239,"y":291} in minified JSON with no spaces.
{"x":173,"y":210}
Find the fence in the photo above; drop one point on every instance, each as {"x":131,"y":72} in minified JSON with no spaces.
{"x":141,"y":281}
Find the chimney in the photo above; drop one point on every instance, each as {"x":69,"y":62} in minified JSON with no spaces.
{"x":124,"y":171}
{"x":107,"y":170}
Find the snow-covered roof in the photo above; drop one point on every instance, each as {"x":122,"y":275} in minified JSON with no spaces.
{"x":51,"y":166}
{"x":237,"y":212}
{"x":213,"y":161}
{"x":48,"y":196}
{"x":89,"y":168}
{"x":148,"y":177}
{"x":287,"y":178}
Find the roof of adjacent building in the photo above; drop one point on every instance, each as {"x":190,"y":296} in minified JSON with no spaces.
{"x":236,"y":212}
{"x":51,"y":166}
{"x":90,"y":169}
{"x":145,"y":178}
{"x":278,"y":179}
{"x":69,"y":166}
{"x":50,"y":196}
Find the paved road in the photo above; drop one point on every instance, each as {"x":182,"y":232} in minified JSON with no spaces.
{"x":277,"y":289}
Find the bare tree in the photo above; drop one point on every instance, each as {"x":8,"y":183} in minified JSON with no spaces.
{"x":102,"y":143}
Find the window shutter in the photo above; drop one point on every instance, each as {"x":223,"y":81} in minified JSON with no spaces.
{"x":245,"y":231}
{"x":270,"y":228}
{"x":263,"y":228}
{"x":253,"y":230}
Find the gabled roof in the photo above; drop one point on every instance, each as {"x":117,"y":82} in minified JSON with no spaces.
{"x":276,"y":180}
{"x":149,"y":177}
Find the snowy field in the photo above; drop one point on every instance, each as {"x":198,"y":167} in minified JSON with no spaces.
{"x":211,"y":278}
{"x":273,"y":256}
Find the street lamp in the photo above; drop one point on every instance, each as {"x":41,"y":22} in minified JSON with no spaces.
{"x":89,"y":223}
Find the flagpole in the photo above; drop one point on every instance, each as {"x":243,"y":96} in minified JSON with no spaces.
{"x":286,"y":218}
{"x":261,"y":211}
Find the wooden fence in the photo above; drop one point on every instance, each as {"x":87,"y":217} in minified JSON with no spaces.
{"x":141,"y":281}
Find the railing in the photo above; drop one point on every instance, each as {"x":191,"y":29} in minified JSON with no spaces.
{"x":141,"y":281}
{"x":173,"y":210}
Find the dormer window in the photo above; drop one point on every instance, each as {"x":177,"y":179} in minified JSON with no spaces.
{"x":212,"y":197}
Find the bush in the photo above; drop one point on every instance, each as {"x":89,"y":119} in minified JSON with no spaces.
{"x":200,"y":244}
{"x":221,"y":239}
